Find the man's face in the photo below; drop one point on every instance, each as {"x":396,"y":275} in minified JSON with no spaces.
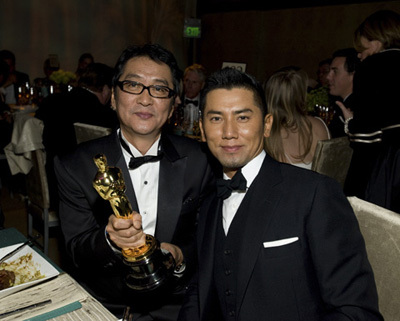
{"x":10,"y":64}
{"x":322,"y":72}
{"x":142,"y":116}
{"x":340,"y":80}
{"x":192,"y":83}
{"x":233,"y":127}
{"x":84,"y":63}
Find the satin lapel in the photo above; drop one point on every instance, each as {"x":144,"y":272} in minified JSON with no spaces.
{"x":170,"y":190}
{"x":115,"y":158}
{"x":206,"y":251}
{"x":259,"y":205}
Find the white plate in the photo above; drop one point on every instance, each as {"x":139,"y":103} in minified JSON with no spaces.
{"x":39,"y":262}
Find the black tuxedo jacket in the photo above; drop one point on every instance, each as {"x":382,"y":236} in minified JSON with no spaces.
{"x":336,"y":126}
{"x":185,"y":177}
{"x":302,"y":258}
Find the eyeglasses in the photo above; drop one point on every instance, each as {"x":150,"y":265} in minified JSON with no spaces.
{"x":136,"y":88}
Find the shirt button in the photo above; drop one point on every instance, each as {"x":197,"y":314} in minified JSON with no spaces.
{"x":228,"y":272}
{"x":227,"y":252}
{"x":231,"y":313}
{"x":144,"y":212}
{"x":145,"y":182}
{"x":228,"y":292}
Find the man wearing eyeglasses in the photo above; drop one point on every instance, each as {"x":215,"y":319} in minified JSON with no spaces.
{"x":166,"y":191}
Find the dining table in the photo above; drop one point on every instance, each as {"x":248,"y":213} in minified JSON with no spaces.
{"x":26,"y":137}
{"x":59,"y":298}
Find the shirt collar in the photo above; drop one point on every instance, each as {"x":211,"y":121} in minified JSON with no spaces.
{"x":194,"y":98}
{"x":153,"y":150}
{"x":346,"y":97}
{"x":251,"y":169}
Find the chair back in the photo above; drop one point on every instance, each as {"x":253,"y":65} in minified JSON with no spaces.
{"x":381,"y":230}
{"x":40,"y":216}
{"x":332,"y":158}
{"x":85,"y":132}
{"x":37,"y":187}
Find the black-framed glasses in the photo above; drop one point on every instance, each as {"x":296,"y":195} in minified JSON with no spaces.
{"x":136,"y":88}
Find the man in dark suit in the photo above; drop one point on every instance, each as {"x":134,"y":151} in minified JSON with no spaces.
{"x":277,"y":242}
{"x":167,"y":192}
{"x":15,"y":79}
{"x":340,"y":80}
{"x":193,"y":81}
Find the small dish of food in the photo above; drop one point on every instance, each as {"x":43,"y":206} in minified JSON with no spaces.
{"x":22,"y":270}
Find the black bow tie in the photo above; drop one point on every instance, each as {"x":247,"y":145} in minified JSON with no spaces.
{"x":226,"y":186}
{"x":135,"y":162}
{"x":189,"y":101}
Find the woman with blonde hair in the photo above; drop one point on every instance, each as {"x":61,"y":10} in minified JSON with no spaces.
{"x":294,"y":134}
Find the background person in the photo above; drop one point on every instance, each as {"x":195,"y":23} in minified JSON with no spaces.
{"x":15,"y":78}
{"x":322,"y":72}
{"x":193,"y":82}
{"x":294,"y":134}
{"x":340,"y":78}
{"x":83,"y":62}
{"x":43,"y":84}
{"x":87,"y":103}
{"x":373,"y":125}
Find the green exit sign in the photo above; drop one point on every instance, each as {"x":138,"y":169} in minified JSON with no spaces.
{"x":192,"y":28}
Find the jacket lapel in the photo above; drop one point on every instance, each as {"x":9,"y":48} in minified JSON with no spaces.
{"x":115,"y":158}
{"x":206,"y":250}
{"x":170,"y":190}
{"x":259,"y":205}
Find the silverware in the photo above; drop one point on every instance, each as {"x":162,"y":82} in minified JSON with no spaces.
{"x":19,"y":248}
{"x":35,"y":305}
{"x":127,"y":316}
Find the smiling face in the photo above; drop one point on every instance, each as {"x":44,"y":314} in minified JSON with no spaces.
{"x":142,"y":116}
{"x":233,"y":127}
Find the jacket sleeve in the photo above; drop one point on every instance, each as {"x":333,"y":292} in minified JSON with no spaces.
{"x":84,"y":232}
{"x":344,"y":274}
{"x":190,"y":307}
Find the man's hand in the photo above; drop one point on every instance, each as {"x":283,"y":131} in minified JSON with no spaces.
{"x":175,"y":251}
{"x":347,"y":113}
{"x":126,"y":233}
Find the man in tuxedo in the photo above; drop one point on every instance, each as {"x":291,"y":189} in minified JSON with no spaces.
{"x":340,"y":80}
{"x":15,"y":78}
{"x":193,"y":82}
{"x":275,"y":242}
{"x":166,"y":191}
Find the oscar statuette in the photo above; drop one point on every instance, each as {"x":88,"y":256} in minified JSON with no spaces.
{"x":149,"y":266}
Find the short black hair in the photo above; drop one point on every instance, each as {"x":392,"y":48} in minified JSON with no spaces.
{"x":4,"y":71}
{"x":86,"y":55}
{"x":7,"y":54}
{"x":351,"y":55}
{"x":95,"y":76}
{"x":156,"y":53}
{"x":229,"y":78}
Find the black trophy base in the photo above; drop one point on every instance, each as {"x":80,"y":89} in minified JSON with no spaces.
{"x":150,"y":272}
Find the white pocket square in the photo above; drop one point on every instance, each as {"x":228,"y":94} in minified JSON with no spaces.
{"x":280,"y":242}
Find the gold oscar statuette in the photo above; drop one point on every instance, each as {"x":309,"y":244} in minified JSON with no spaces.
{"x":150,"y":267}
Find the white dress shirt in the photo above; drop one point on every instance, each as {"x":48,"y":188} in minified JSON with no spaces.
{"x":232,"y":203}
{"x":9,"y":95}
{"x":145,"y":184}
{"x":191,"y":114}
